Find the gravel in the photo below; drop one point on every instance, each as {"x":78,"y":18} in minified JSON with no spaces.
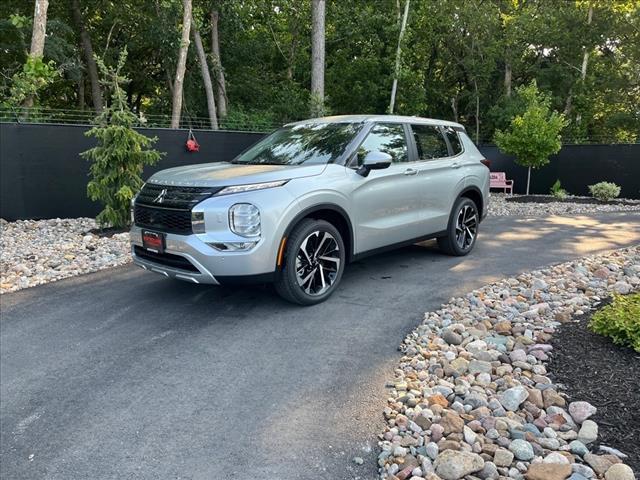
{"x":505,"y":414}
{"x":36,"y":252}
{"x":498,"y":206}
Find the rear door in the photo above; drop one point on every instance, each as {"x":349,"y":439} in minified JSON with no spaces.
{"x":439,"y":172}
{"x":386,"y":202}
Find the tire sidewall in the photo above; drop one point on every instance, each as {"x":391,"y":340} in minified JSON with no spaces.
{"x":452,"y":225}
{"x":299,"y":233}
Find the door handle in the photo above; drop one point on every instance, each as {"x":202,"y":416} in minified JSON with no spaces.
{"x":455,"y":165}
{"x":410,"y":171}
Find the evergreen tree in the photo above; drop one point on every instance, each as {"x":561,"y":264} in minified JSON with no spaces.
{"x":121,"y":154}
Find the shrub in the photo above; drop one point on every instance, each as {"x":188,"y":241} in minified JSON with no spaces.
{"x":118,"y":159}
{"x":557,"y":191}
{"x":620,"y":320}
{"x":605,"y":191}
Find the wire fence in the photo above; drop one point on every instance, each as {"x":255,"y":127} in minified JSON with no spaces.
{"x":86,"y":117}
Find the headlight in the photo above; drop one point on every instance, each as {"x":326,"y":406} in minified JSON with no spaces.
{"x":244,"y":220}
{"x":197,"y":222}
{"x":251,"y":187}
{"x":132,"y":208}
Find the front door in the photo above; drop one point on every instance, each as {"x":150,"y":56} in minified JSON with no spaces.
{"x":387,"y":201}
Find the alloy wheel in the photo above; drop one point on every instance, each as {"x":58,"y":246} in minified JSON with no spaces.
{"x":466,"y":227}
{"x":317,"y":262}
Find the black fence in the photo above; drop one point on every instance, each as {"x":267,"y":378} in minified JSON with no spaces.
{"x":43,"y":176}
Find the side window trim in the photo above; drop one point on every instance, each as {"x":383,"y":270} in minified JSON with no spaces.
{"x":411,"y":144}
{"x":456,"y":132}
{"x":446,"y":139}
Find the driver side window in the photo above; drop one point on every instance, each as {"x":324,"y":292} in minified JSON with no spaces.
{"x":388,"y":138}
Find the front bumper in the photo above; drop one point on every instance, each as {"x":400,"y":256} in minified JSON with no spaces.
{"x":207,"y":265}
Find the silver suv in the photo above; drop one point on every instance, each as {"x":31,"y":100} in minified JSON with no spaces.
{"x":299,"y":205}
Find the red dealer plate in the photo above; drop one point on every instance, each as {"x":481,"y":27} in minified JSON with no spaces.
{"x":153,"y":241}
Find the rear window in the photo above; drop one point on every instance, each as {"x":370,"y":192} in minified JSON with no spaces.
{"x":429,"y":142}
{"x":454,"y":140}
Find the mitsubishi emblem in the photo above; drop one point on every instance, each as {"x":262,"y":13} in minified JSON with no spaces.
{"x":160,"y":197}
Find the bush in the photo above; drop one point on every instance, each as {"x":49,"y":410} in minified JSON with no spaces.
{"x":605,"y":191}
{"x":557,"y":191}
{"x":620,"y":320}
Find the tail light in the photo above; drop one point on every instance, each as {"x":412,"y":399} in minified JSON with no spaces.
{"x":486,"y":163}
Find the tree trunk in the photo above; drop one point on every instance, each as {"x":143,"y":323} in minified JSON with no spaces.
{"x":38,"y":35}
{"x":454,"y":108}
{"x":394,"y":87}
{"x":475,"y":87}
{"x":206,"y":78}
{"x":39,"y":28}
{"x":507,"y":79}
{"x":217,"y":65}
{"x":87,"y":48}
{"x":317,"y":57}
{"x":81,"y":92}
{"x":585,"y":59}
{"x":182,"y":65}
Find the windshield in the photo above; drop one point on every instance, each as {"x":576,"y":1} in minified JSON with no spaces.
{"x":309,"y":144}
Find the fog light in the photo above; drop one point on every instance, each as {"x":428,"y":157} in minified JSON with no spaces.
{"x":232,"y":246}
{"x":244,"y":220}
{"x":197,"y":222}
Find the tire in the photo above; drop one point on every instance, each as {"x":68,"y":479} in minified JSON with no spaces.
{"x":460,"y":241}
{"x":314,"y":260}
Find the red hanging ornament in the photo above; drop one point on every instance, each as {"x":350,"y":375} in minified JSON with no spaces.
{"x":192,"y":144}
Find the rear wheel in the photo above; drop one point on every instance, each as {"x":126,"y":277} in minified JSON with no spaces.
{"x":462,"y":231}
{"x":313,"y":263}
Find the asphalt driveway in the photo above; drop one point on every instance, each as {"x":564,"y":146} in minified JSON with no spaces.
{"x":124,"y":374}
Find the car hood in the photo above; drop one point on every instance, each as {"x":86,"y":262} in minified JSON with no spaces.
{"x":221,"y":174}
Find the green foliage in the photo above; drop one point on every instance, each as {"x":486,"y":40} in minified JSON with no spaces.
{"x":535,"y":134}
{"x":557,"y":191}
{"x":620,"y":320}
{"x":605,"y":191}
{"x":118,"y":159}
{"x":34,"y":76}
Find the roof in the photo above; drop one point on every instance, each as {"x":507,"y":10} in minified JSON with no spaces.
{"x":377,"y":118}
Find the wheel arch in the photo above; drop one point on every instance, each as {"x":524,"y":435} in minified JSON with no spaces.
{"x":329,"y":212}
{"x":475,"y":194}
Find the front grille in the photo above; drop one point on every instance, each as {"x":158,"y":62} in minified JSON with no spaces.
{"x":166,"y":259}
{"x":167,"y":208}
{"x":170,"y":196}
{"x":163,"y":220}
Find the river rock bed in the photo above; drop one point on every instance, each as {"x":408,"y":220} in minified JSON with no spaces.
{"x":472,"y":397}
{"x":34,"y":252}
{"x":499,"y":206}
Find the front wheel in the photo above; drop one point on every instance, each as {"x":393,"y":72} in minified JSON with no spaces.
{"x":314,"y":260}
{"x":462,"y":230}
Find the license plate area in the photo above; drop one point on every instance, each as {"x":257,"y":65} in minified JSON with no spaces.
{"x":153,"y":241}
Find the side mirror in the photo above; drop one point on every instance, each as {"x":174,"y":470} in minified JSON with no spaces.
{"x":374,"y":160}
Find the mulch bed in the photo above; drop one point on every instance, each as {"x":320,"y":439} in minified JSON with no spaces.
{"x":595,"y":370}
{"x":550,"y":199}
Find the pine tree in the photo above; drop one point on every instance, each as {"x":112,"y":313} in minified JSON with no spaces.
{"x":121,"y":154}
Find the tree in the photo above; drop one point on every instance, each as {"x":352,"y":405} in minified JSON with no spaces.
{"x":394,"y":87}
{"x":217,"y":64}
{"x":535,"y":134}
{"x":38,"y":35}
{"x":206,"y":78}
{"x":87,"y":48}
{"x":181,"y":66}
{"x":317,"y":57}
{"x":118,"y":159}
